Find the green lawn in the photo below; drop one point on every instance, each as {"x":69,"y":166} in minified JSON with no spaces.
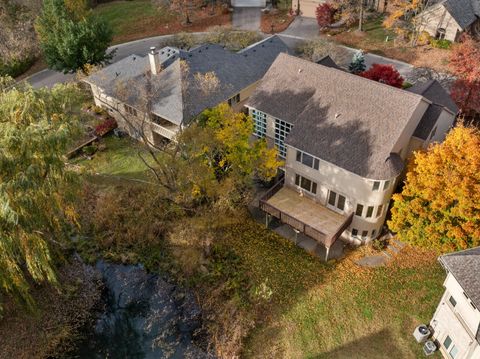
{"x":348,"y":311}
{"x":376,"y":32}
{"x":130,"y":19}
{"x":119,"y":159}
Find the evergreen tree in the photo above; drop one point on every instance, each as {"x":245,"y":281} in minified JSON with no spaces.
{"x":35,"y":195}
{"x":70,"y":38}
{"x":358,"y":63}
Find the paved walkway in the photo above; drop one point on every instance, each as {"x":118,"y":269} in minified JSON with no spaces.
{"x":246,"y":18}
{"x":394,"y":247}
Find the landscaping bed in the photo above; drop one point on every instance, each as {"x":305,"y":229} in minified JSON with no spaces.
{"x":132,"y":20}
{"x":275,"y":21}
{"x":378,"y":40}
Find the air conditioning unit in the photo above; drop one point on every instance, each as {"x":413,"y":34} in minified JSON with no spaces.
{"x":422,"y":333}
{"x":429,"y":348}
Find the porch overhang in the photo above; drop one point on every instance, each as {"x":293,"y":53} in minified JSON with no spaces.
{"x":305,"y":215}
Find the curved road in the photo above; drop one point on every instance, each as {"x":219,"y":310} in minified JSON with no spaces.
{"x":301,"y":29}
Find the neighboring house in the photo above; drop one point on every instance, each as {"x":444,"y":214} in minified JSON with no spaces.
{"x":448,"y":19}
{"x":456,"y":322}
{"x":345,"y":140}
{"x":308,"y":8}
{"x":159,"y":93}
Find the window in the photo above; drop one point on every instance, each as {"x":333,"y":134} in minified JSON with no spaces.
{"x":452,"y":301}
{"x":260,"y":123}
{"x":130,"y":110}
{"x":440,"y":35}
{"x":307,"y":160}
{"x":306,"y":184}
{"x":447,"y":342}
{"x":379,"y":210}
{"x":374,"y":232}
{"x":282,"y":129}
{"x":364,"y":234}
{"x":354,"y":232}
{"x":386,"y":185}
{"x":336,"y":200}
{"x":359,"y":210}
{"x":454,"y":352}
{"x":234,"y":100}
{"x":376,"y":186}
{"x":369,"y":211}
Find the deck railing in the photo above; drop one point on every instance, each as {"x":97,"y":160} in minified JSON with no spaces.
{"x":319,"y":236}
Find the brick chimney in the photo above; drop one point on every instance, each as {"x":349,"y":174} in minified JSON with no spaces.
{"x":154,"y":61}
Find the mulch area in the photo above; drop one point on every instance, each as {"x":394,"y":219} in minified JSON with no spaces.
{"x":280,"y":19}
{"x":201,"y":20}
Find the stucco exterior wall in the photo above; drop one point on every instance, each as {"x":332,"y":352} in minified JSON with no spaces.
{"x":356,"y":189}
{"x":438,"y":17}
{"x":401,"y":144}
{"x":459,"y":322}
{"x":444,"y":124}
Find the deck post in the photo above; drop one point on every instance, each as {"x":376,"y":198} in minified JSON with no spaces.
{"x":267,"y":219}
{"x":296,"y":234}
{"x":326,"y":254}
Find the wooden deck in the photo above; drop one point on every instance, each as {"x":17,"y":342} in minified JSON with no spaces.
{"x":304,"y":214}
{"x":306,"y":210}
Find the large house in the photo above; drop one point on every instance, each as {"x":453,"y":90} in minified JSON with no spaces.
{"x":448,"y":19}
{"x":345,"y":140}
{"x":157,"y":94}
{"x":456,"y":322}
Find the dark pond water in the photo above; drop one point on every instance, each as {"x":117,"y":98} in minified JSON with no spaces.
{"x":144,"y":317}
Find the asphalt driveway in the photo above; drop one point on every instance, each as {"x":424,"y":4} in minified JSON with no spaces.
{"x":246,"y":18}
{"x":303,"y":27}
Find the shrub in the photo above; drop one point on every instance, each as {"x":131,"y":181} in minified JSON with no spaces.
{"x":386,"y":74}
{"x":441,"y":44}
{"x":16,"y":67}
{"x":106,"y":126}
{"x":233,"y":40}
{"x":314,"y":50}
{"x":325,"y":13}
{"x":89,"y":150}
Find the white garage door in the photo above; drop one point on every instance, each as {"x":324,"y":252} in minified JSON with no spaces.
{"x":248,"y":3}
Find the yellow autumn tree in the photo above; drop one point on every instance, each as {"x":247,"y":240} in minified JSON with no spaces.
{"x":402,"y":19}
{"x":439,"y":206}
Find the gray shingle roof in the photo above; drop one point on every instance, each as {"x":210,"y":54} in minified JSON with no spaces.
{"x":328,"y":61}
{"x":465,"y":267}
{"x":176,"y":92}
{"x":341,"y":118}
{"x":434,"y":91}
{"x":465,"y":12}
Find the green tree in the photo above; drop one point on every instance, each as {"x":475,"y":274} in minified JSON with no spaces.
{"x":70,"y":38}
{"x":358,"y":63}
{"x":35,"y":195}
{"x":439,"y":205}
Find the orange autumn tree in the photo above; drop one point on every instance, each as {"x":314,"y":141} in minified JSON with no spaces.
{"x":439,"y":207}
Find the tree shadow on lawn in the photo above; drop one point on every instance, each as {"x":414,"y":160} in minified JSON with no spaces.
{"x":378,"y":345}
